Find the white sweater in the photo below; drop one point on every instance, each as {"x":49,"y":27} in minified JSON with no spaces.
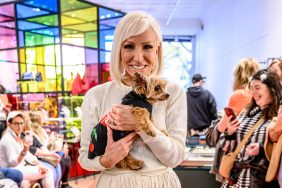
{"x":158,"y":152}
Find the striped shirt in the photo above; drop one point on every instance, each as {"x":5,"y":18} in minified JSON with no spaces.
{"x":258,"y":136}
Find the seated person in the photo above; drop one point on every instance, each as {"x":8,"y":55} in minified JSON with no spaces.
{"x":12,"y":174}
{"x":45,"y":142}
{"x":43,"y":153}
{"x":15,"y":152}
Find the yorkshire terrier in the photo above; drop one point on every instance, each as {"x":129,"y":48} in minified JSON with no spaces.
{"x":146,"y":91}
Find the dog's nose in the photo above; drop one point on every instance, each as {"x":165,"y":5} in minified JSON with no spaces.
{"x":167,"y":95}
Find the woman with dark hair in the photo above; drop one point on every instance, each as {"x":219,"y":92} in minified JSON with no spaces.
{"x":250,"y":167}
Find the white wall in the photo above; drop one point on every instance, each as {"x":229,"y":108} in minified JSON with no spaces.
{"x":233,"y":30}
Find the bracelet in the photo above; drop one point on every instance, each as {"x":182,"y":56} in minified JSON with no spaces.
{"x":23,"y":153}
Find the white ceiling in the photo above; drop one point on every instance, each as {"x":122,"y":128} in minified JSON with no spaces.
{"x":177,"y":17}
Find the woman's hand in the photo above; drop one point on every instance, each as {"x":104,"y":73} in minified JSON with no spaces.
{"x":55,"y":155}
{"x":42,"y":169}
{"x":252,"y":149}
{"x":116,"y":151}
{"x":121,"y":118}
{"x":222,"y":125}
{"x":232,"y":126}
{"x":279,"y":117}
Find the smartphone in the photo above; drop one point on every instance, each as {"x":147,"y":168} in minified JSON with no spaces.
{"x":229,"y":112}
{"x":28,"y":137}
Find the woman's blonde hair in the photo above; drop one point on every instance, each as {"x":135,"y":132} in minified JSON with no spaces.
{"x":133,"y":24}
{"x":279,"y":62}
{"x":246,"y":68}
{"x":36,"y":127}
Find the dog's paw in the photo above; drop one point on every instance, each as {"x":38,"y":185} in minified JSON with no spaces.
{"x":135,"y":164}
{"x":122,"y":164}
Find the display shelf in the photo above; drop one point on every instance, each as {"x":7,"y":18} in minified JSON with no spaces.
{"x":196,"y":166}
{"x":198,"y":156}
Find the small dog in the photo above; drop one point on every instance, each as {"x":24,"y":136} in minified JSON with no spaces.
{"x":146,"y":91}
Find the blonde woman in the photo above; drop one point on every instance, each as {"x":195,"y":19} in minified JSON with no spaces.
{"x":41,"y":146}
{"x":241,"y":95}
{"x":137,"y":47}
{"x":276,"y":66}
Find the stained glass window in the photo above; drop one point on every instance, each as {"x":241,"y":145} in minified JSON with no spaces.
{"x":58,"y":39}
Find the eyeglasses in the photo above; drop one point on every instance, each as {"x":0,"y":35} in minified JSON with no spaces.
{"x":18,"y":123}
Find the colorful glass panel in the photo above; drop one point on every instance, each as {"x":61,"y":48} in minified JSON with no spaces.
{"x":68,"y":5}
{"x":91,"y":56}
{"x":91,"y":39}
{"x":105,"y":13}
{"x":38,"y":31}
{"x":5,"y":18}
{"x":21,"y":38}
{"x":9,"y":55}
{"x":50,"y":5}
{"x":87,"y":15}
{"x":92,"y":74}
{"x":32,"y":39}
{"x":22,"y":55}
{"x":27,"y":11}
{"x":105,"y":73}
{"x":24,"y":25}
{"x":106,"y":39}
{"x":8,"y":24}
{"x":105,"y":56}
{"x":9,"y":76}
{"x":65,"y":20}
{"x":83,"y":27}
{"x":8,"y":38}
{"x":50,"y":20}
{"x":7,"y":10}
{"x":76,"y":39}
{"x":47,"y":31}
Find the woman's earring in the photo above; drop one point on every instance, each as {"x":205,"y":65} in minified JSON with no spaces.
{"x":123,"y":73}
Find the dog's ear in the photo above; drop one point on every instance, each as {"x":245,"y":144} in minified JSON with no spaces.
{"x":138,"y":79}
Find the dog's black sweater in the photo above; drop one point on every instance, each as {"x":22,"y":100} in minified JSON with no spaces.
{"x":99,"y":132}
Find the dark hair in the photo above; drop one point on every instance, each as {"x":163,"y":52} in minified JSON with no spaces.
{"x":2,"y":89}
{"x":19,"y":115}
{"x":271,"y":80}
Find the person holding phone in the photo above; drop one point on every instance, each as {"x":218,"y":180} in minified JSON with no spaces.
{"x":249,"y":169}
{"x":240,"y":98}
{"x":241,"y":95}
{"x":15,"y":152}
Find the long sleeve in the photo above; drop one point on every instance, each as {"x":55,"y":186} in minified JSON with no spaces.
{"x":170,"y":150}
{"x":157,"y":152}
{"x":89,"y":108}
{"x":212,"y":107}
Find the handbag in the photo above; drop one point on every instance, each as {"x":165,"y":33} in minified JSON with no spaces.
{"x":212,"y":134}
{"x":27,"y":76}
{"x":51,"y":160}
{"x":228,"y":160}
